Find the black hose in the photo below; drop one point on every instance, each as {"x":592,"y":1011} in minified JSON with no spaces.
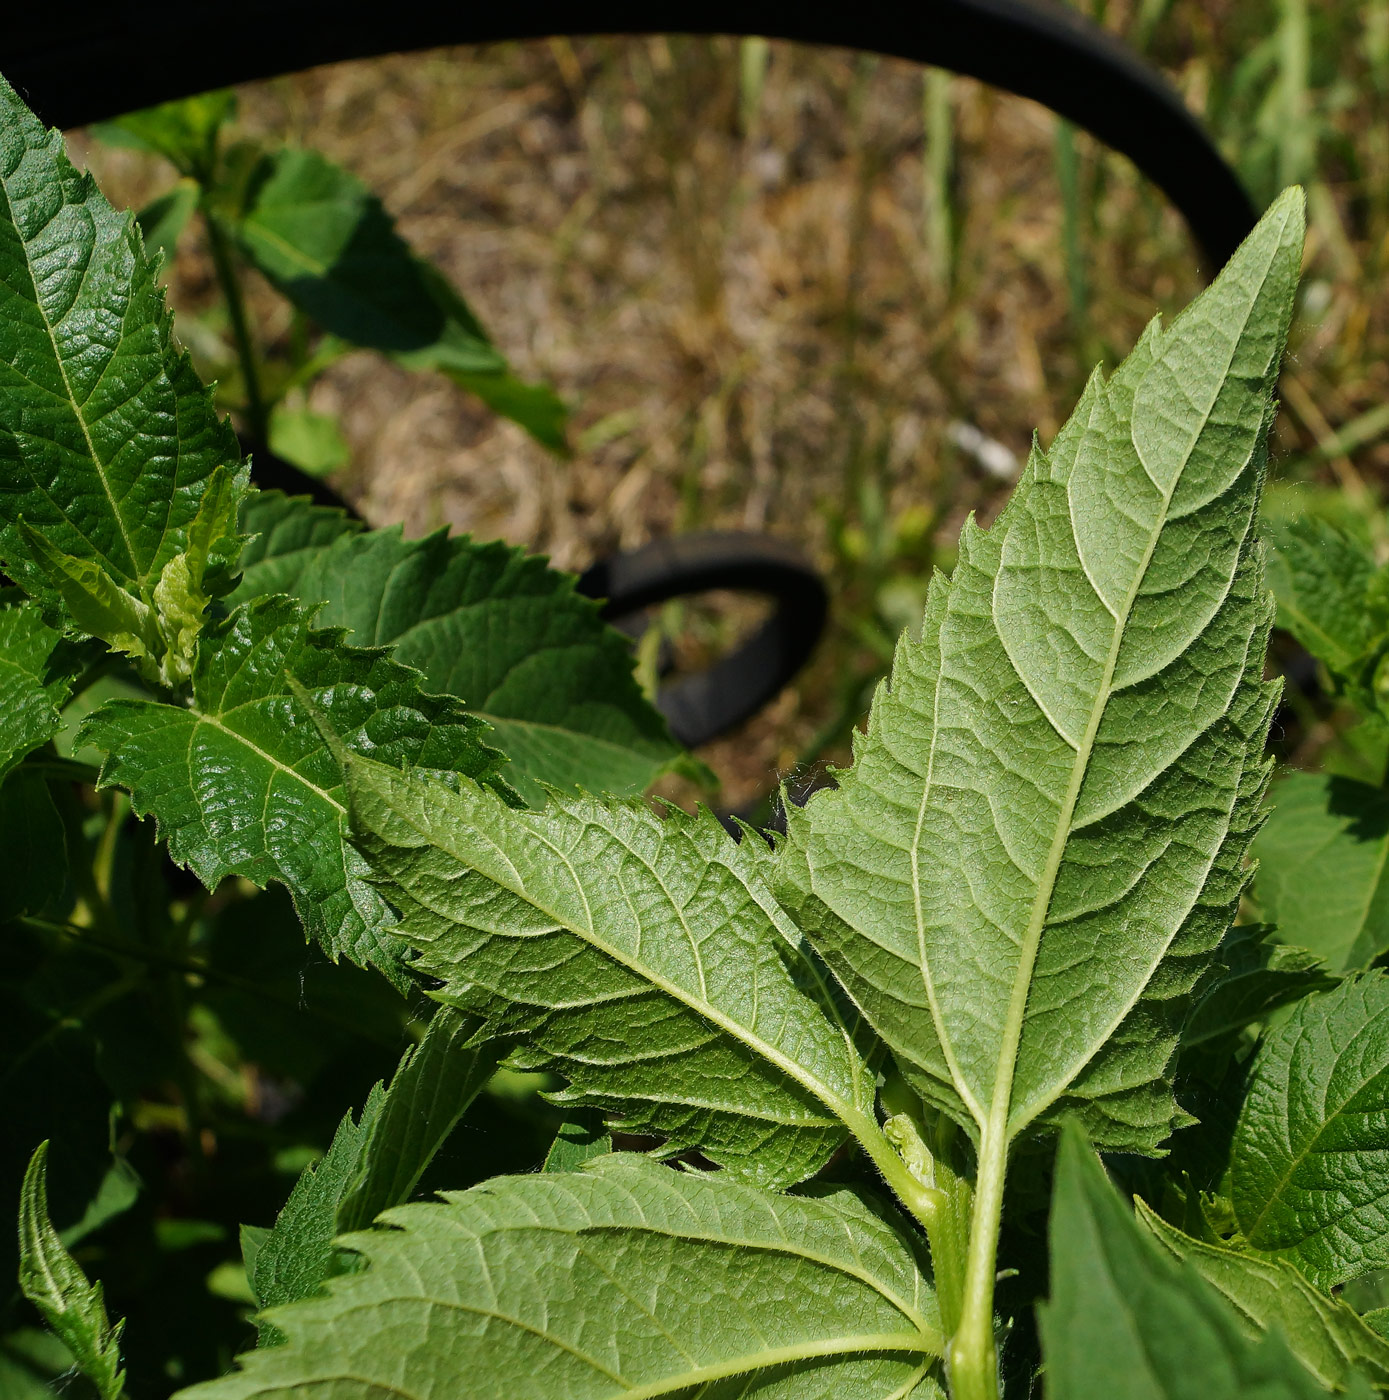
{"x":88,"y":59}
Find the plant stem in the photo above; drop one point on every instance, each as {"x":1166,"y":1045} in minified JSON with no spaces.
{"x":973,"y":1355}
{"x":257,"y":415}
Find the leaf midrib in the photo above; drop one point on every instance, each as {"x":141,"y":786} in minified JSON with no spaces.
{"x":72,"y":398}
{"x":853,"y":1118}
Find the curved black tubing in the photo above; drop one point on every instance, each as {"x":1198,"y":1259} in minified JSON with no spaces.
{"x":710,"y":703}
{"x":90,"y":59}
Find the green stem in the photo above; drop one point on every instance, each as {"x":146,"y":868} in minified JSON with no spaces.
{"x":219,"y":244}
{"x":973,"y":1355}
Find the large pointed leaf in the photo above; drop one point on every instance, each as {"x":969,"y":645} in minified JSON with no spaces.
{"x":1324,"y":867}
{"x":29,"y":695}
{"x":1325,"y":1335}
{"x":107,"y":436}
{"x":1310,"y":1175}
{"x":242,"y":783}
{"x":1126,"y":1319}
{"x":1041,"y":841}
{"x":643,"y":957}
{"x":513,"y":640}
{"x":628,"y":1280}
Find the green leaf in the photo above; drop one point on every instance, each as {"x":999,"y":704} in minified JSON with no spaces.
{"x":535,"y":407}
{"x":1253,"y":978}
{"x":641,"y":956}
{"x":313,"y":442}
{"x":29,"y":695}
{"x":108,"y":439}
{"x":184,"y":131}
{"x":1310,"y":1175}
{"x":626,"y":1280}
{"x":35,"y":846}
{"x":1323,"y":856}
{"x":1042,"y":839}
{"x":1126,"y":1319}
{"x":328,"y":244}
{"x":1323,"y":1333}
{"x":57,"y":1287}
{"x":286,"y":534}
{"x":241,"y":781}
{"x":292,"y":1260}
{"x":372,"y":1165}
{"x":1320,"y":577}
{"x":429,"y":1093}
{"x":509,"y":637}
{"x":582,"y":1136}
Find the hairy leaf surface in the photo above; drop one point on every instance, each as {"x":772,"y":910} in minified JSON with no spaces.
{"x":1324,"y":867}
{"x":1323,"y":1333}
{"x":1126,"y":1319}
{"x":626,"y":1280}
{"x":51,"y":1279}
{"x":513,"y":640}
{"x":29,"y":696}
{"x":1041,"y":841}
{"x":1310,"y":1175}
{"x":242,"y":783}
{"x":643,"y":957}
{"x":107,"y":436}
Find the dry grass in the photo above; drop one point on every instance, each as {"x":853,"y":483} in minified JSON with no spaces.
{"x":740,"y":293}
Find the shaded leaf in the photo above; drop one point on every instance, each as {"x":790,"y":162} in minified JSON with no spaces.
{"x":29,"y":695}
{"x":1310,"y":1175}
{"x":592,"y":928}
{"x":313,"y":442}
{"x":509,"y":637}
{"x":183,"y":131}
{"x":625,"y":1280}
{"x":1323,"y":1333}
{"x":35,"y":846}
{"x":1324,"y":867}
{"x":428,"y":1094}
{"x":1126,"y":1319}
{"x":1254,"y":977}
{"x":57,"y":1287}
{"x":164,"y":218}
{"x":241,"y":781}
{"x":1041,"y":842}
{"x":581,"y":1137}
{"x":1320,"y":576}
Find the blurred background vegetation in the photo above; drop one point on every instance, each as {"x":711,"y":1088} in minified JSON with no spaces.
{"x":809,"y":291}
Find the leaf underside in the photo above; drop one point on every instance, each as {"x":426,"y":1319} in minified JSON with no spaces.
{"x":241,"y":781}
{"x":641,"y":956}
{"x":1041,"y":841}
{"x":628,"y":1279}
